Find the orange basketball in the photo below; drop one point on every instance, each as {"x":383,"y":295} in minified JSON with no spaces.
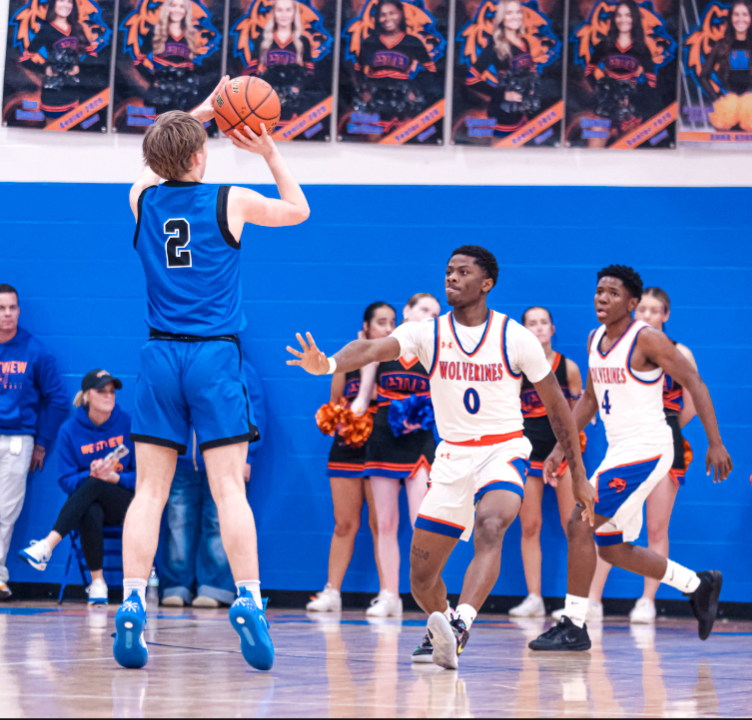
{"x":247,"y":101}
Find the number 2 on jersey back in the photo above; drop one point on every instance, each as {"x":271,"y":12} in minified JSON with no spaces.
{"x":178,"y":236}
{"x":472,"y":401}
{"x":606,"y":404}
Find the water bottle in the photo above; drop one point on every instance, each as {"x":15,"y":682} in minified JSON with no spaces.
{"x":152,"y":589}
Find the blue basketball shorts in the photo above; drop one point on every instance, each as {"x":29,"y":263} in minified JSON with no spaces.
{"x":198,"y":384}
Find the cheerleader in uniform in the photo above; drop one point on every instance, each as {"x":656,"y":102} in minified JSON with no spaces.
{"x":620,"y":69}
{"x":655,"y":309}
{"x":537,"y":429}
{"x":58,"y":48}
{"x":505,"y":73}
{"x":346,"y":469}
{"x":392,"y":460}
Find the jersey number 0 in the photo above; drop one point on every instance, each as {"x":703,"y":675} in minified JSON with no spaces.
{"x":178,"y":236}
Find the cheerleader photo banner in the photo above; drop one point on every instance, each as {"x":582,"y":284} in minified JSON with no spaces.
{"x":169,"y":57}
{"x":392,"y":71}
{"x":290,"y":44}
{"x":622,"y":74}
{"x":57,"y":64}
{"x":508,"y":73}
{"x":716,"y":90}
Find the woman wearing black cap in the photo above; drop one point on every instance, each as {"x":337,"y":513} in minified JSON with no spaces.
{"x":100,"y":486}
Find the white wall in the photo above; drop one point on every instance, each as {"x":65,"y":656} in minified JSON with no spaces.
{"x":37,"y":156}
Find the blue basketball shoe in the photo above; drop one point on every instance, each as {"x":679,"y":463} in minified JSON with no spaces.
{"x":129,"y":648}
{"x":250,"y":623}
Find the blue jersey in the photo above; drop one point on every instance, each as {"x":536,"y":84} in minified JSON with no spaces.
{"x":191,"y":260}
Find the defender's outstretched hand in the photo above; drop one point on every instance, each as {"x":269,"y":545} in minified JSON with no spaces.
{"x":205,"y":111}
{"x":312,"y":360}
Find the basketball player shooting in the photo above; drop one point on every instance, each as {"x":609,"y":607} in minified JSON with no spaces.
{"x":188,"y":239}
{"x":627,"y":359}
{"x":476,"y":358}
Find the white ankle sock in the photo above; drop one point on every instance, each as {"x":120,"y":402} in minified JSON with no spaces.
{"x":681,"y":578}
{"x":448,"y":612}
{"x":131,"y":584}
{"x":467,"y":613}
{"x":575,"y":608}
{"x":253,"y":587}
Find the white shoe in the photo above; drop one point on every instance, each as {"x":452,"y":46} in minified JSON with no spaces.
{"x":328,"y":600}
{"x":643,"y":612}
{"x":204,"y":601}
{"x":594,"y":613}
{"x":531,"y":607}
{"x":385,"y":604}
{"x":97,"y":593}
{"x":173,"y":601}
{"x":37,"y":555}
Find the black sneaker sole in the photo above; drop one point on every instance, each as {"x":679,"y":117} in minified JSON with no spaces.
{"x":546,"y":647}
{"x":705,"y":624}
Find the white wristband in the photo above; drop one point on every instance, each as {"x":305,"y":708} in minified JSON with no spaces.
{"x":332,"y":366}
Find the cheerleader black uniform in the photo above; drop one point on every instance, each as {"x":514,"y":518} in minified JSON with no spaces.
{"x":283,"y":72}
{"x":175,"y":85}
{"x":62,"y":52}
{"x":346,"y":460}
{"x":673,"y":402}
{"x":495,"y":77}
{"x":737,"y":78}
{"x":536,"y":425}
{"x":619,"y":78}
{"x":401,"y":456}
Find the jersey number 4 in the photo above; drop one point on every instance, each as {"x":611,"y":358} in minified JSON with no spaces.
{"x":606,"y":404}
{"x":178,"y":236}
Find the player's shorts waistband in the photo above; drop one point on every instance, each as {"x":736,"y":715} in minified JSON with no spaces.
{"x":487,"y":440}
{"x":172,"y":337}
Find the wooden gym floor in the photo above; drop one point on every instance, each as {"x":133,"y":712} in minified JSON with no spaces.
{"x":57,"y":662}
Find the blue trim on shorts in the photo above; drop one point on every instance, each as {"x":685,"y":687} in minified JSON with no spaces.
{"x":609,"y":540}
{"x":535,"y":472}
{"x":507,"y":485}
{"x":345,"y":473}
{"x":616,"y":485}
{"x":438,"y":527}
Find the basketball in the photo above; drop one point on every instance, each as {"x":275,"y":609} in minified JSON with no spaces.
{"x":247,"y":101}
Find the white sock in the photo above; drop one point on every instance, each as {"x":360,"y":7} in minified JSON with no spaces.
{"x":467,"y":614}
{"x":253,"y":587}
{"x":131,"y":584}
{"x":680,"y":577}
{"x":575,"y":608}
{"x":329,"y":588}
{"x":448,"y":612}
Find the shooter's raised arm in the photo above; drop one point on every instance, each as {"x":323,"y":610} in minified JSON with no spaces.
{"x":355,"y":355}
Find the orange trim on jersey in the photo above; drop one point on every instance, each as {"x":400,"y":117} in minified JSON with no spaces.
{"x":504,"y":349}
{"x":413,"y":468}
{"x":442,"y":522}
{"x":487,"y":440}
{"x":509,"y":462}
{"x":537,"y":464}
{"x":408,"y":364}
{"x":436,"y":346}
{"x":386,"y":39}
{"x":621,"y":337}
{"x":61,"y":31}
{"x":482,"y":342}
{"x":616,"y":532}
{"x":557,"y":360}
{"x":345,"y":466}
{"x":616,"y":467}
{"x":279,"y":44}
{"x":676,"y":475}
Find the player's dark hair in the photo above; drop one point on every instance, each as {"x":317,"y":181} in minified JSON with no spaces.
{"x":638,"y":32}
{"x":629,"y":278}
{"x":659,"y":294}
{"x":483,"y":259}
{"x":171,"y":142}
{"x":537,"y":307}
{"x":372,"y":308}
{"x":377,"y":12}
{"x":415,"y":299}
{"x":77,"y":29}
{"x":4,"y":288}
{"x":721,"y":52}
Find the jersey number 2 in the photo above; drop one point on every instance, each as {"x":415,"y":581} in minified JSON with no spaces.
{"x":606,"y":404}
{"x":178,"y":236}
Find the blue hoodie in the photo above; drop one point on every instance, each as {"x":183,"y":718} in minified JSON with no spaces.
{"x":32,"y":397}
{"x":193,"y":460}
{"x":81,"y":441}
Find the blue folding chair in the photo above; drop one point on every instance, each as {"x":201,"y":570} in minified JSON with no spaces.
{"x":113,"y":551}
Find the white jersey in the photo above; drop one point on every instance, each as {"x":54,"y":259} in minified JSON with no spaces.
{"x":475,"y":388}
{"x":630,"y":402}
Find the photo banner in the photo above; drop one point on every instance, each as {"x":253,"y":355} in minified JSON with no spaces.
{"x":169,"y":57}
{"x":290,"y":44}
{"x":392,"y":71}
{"x":622,"y":74}
{"x":57,"y":64}
{"x":716,"y":90}
{"x":508,"y":73}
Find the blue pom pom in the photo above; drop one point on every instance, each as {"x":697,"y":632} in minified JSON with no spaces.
{"x":415,"y":409}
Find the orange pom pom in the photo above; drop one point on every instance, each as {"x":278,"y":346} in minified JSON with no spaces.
{"x":725,"y":112}
{"x":355,"y":430}
{"x":327,"y":418}
{"x":688,"y":455}
{"x":745,"y":111}
{"x":583,"y":441}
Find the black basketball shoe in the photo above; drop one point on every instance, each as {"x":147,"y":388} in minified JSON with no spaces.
{"x":704,"y":601}
{"x":424,"y":652}
{"x":564,"y":637}
{"x":448,"y":639}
